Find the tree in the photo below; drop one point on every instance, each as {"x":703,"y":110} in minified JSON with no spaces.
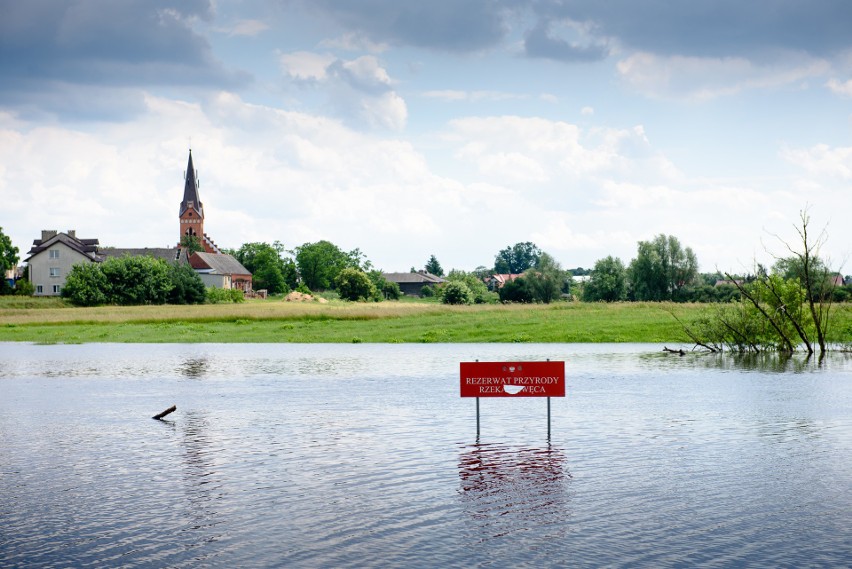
{"x":434,"y":267}
{"x":782,"y":310}
{"x":355,"y":284}
{"x":478,"y":290}
{"x":86,"y":285}
{"x":517,"y":258}
{"x":517,"y":290}
{"x":187,"y":286}
{"x":192,"y":244}
{"x":265,"y":264}
{"x":319,"y":263}
{"x":607,"y":282}
{"x":136,"y":280}
{"x":661,"y":269}
{"x":546,"y":279}
{"x":8,"y":260}
{"x":456,"y":292}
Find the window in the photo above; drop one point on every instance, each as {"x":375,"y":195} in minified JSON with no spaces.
{"x":39,"y":289}
{"x":56,"y":289}
{"x":54,"y":271}
{"x":54,"y":253}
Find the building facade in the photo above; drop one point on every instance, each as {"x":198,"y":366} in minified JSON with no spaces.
{"x":51,"y":258}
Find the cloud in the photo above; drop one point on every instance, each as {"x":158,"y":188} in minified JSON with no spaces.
{"x":472,"y":96}
{"x":443,"y":25}
{"x":359,"y":90}
{"x":73,"y":48}
{"x":843,"y":88}
{"x":248,"y":28}
{"x":701,"y":79}
{"x":576,"y":46}
{"x":822,"y":160}
{"x":710,"y":28}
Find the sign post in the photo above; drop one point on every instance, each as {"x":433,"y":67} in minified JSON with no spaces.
{"x":512,"y":379}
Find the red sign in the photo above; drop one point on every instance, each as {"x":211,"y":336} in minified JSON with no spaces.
{"x":512,"y":379}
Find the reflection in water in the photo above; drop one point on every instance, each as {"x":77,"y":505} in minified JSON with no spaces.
{"x":202,"y":485}
{"x":506,"y":490}
{"x":771,"y":362}
{"x":194,"y":367}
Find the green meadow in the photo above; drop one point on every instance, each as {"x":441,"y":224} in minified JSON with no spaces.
{"x":267,"y":321}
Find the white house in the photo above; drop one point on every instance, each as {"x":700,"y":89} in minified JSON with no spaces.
{"x":51,"y":258}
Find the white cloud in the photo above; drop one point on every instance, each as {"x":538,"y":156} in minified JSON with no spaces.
{"x":822,"y":160}
{"x":838,"y":87}
{"x":359,"y":90}
{"x":703,"y":78}
{"x":306,"y":65}
{"x":472,"y":96}
{"x":249,"y":28}
{"x":354,"y":42}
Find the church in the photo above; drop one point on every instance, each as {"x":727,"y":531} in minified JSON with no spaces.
{"x":52,"y":257}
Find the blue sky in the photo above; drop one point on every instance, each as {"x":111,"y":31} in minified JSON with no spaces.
{"x":451,"y":127}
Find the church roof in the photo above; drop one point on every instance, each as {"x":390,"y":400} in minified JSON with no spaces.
{"x":221,"y":263}
{"x":190,"y":190}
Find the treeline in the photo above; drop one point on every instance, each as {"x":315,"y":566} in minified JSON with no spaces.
{"x":140,"y":280}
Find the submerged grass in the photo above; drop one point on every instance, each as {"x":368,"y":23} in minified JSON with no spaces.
{"x":341,"y":322}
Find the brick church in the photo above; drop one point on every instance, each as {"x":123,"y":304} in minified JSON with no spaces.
{"x":192,"y":211}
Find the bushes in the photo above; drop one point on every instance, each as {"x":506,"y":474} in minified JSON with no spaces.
{"x":132,"y":281}
{"x":457,"y":292}
{"x":353,"y":284}
{"x":217,"y":295}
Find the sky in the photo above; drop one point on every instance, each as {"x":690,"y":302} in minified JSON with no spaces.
{"x":453,"y":128}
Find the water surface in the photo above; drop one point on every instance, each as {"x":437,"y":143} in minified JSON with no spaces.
{"x":364,"y":455}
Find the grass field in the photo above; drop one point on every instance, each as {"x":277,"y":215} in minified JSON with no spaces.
{"x":51,"y":321}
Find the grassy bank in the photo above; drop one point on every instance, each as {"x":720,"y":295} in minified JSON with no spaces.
{"x":387,"y":322}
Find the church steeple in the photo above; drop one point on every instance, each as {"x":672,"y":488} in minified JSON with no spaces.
{"x":191,"y":213}
{"x":190,"y":191}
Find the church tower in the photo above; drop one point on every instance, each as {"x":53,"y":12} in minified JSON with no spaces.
{"x":192,"y":211}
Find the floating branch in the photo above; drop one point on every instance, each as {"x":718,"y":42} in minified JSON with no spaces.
{"x":678,"y":352}
{"x":159,"y":416}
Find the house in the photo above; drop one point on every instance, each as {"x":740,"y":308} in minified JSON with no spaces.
{"x":412,"y":283}
{"x":221,"y":271}
{"x":496,"y":282}
{"x":51,"y":258}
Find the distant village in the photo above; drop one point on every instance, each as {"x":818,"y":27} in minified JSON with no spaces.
{"x":52,"y":256}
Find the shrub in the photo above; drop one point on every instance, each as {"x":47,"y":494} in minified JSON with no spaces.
{"x":354,"y":284}
{"x":427,"y":291}
{"x":216,"y":295}
{"x":187,"y":287}
{"x":86,"y":285}
{"x":457,"y":292}
{"x":23,"y":287}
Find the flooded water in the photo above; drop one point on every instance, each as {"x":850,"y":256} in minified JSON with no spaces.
{"x":365,"y":456}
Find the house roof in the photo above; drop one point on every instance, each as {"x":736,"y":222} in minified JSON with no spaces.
{"x":421,"y":277}
{"x":168,"y":254}
{"x":190,"y":190}
{"x":87,"y":247}
{"x":220,"y":263}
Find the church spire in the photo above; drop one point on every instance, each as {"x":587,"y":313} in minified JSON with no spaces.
{"x":190,"y":191}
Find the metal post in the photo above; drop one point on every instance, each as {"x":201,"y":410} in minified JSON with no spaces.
{"x":548,"y":419}
{"x":477,"y":419}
